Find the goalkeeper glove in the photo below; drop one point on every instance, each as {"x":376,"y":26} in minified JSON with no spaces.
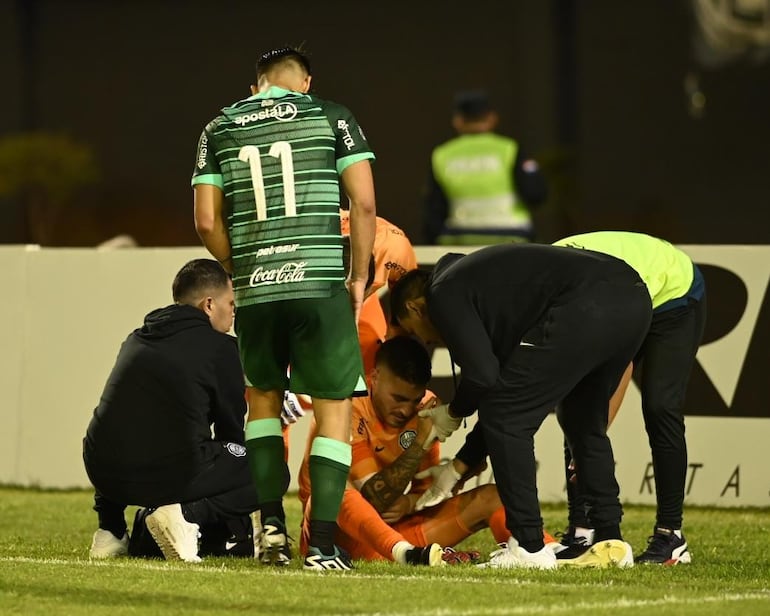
{"x":445,"y":478}
{"x":291,"y":410}
{"x":443,"y":423}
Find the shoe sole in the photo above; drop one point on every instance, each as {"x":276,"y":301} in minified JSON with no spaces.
{"x":115,"y":549}
{"x":610,"y":553}
{"x":271,"y":551}
{"x":273,"y":557}
{"x":436,"y":556}
{"x":326,"y":565}
{"x":679,"y":556}
{"x":159,"y":529}
{"x":104,"y":554}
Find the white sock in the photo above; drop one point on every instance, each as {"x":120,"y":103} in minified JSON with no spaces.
{"x":399,"y":551}
{"x":585,"y":533}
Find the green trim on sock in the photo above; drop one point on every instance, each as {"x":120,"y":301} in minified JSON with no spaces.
{"x":329,"y":468}
{"x":333,"y":450}
{"x":257,"y":428}
{"x":333,"y":464}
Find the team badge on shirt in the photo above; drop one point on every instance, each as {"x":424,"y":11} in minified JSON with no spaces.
{"x":407,"y":438}
{"x":237,"y":450}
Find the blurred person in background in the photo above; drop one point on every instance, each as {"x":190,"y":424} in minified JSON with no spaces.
{"x":482,"y":185}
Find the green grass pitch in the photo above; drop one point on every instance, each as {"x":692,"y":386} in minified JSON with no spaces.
{"x":44,"y":569}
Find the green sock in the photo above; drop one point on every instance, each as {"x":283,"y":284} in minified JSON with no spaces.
{"x":329,"y":467}
{"x":264,"y":449}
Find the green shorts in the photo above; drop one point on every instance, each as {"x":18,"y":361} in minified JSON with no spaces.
{"x":316,"y":337}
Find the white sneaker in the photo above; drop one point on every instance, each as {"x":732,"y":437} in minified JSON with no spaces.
{"x":106,"y":545}
{"x":513,"y":556}
{"x":176,"y":537}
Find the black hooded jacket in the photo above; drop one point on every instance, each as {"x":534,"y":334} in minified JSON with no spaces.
{"x":173,"y":378}
{"x":484,"y":303}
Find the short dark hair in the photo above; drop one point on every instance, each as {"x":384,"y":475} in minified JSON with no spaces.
{"x":409,"y":287}
{"x":406,"y":358}
{"x":197,"y":278}
{"x":472,"y":105}
{"x":275,"y":57}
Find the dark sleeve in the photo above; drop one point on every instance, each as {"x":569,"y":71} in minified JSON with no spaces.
{"x":228,"y":411}
{"x":435,"y":210}
{"x":456,"y":318}
{"x":474,"y":450}
{"x":529,"y":180}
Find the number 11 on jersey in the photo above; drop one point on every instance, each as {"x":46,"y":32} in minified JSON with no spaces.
{"x":281,"y":150}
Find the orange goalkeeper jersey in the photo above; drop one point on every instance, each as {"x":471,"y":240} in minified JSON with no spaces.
{"x":393,"y":256}
{"x":375,"y":446}
{"x":393,"y":252}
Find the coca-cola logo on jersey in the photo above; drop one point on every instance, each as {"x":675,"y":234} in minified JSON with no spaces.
{"x":293,"y":271}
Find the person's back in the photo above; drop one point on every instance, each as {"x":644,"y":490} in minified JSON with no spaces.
{"x":663,"y":365}
{"x":666,"y":270}
{"x":154,"y":412}
{"x":475,"y":172}
{"x":482,"y":184}
{"x":267,"y":196}
{"x":292,"y":247}
{"x":520,"y":282}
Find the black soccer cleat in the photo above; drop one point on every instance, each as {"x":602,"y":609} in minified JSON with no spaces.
{"x":665,"y":547}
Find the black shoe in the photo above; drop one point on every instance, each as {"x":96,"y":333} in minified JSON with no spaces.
{"x":571,"y":546}
{"x":665,"y":547}
{"x":141,"y":544}
{"x":579,"y":546}
{"x":429,"y":556}
{"x":218,"y":539}
{"x":566,"y":539}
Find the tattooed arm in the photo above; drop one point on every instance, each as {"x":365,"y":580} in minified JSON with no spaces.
{"x":383,"y":489}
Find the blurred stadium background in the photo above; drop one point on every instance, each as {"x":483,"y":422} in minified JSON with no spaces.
{"x":649,"y":116}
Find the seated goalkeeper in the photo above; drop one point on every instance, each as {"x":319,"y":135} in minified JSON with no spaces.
{"x":395,"y":457}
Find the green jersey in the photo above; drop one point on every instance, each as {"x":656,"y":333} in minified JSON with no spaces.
{"x":666,"y":270}
{"x":277,"y":157}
